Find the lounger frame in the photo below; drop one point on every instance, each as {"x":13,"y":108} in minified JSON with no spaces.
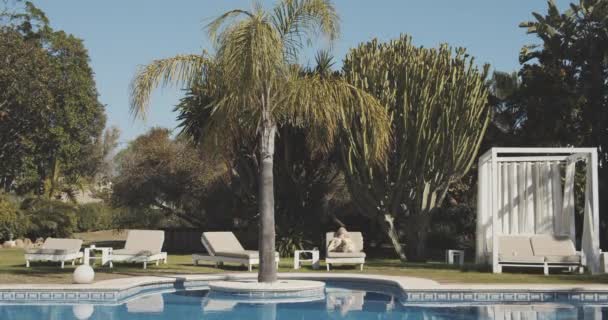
{"x":219,"y":260}
{"x":32,"y":257}
{"x":156,"y":258}
{"x":543,"y":265}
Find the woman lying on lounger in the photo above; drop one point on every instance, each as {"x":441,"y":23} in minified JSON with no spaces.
{"x":341,"y":242}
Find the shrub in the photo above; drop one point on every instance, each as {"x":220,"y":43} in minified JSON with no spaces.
{"x":452,"y":228}
{"x":49,"y":218}
{"x":13,"y":223}
{"x":290,"y":241}
{"x":94,"y":216}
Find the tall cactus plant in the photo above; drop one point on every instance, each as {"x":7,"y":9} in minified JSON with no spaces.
{"x":437,"y":101}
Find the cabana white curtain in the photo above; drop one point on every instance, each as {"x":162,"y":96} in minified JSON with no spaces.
{"x":534,"y":195}
{"x":531,"y":199}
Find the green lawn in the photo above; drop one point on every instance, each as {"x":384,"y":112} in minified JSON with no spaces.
{"x":12,"y":270}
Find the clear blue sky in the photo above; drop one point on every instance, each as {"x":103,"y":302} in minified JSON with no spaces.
{"x":122,"y":34}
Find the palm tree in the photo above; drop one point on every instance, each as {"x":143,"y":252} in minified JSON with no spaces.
{"x":253,"y":85}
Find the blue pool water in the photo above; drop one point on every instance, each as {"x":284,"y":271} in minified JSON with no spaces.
{"x":338,"y":303}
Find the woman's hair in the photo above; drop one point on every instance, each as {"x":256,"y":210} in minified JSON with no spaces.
{"x":341,"y":231}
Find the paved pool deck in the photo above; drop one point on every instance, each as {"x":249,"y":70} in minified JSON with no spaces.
{"x":412,"y":289}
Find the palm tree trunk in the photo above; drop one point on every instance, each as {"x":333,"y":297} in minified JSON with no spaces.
{"x":266,"y":240}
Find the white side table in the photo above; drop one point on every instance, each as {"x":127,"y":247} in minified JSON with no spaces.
{"x":451,"y":255}
{"x":297,"y":259}
{"x":106,"y":255}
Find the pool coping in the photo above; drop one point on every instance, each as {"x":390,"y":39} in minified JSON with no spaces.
{"x":413,"y":290}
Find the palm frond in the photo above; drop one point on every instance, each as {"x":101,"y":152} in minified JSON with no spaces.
{"x":215,"y":27}
{"x":181,"y":71}
{"x":300,"y":21}
{"x":250,"y":56}
{"x":334,"y":110}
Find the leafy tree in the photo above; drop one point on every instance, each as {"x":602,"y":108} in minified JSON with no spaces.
{"x":564,"y":80}
{"x":24,"y":96}
{"x":170,"y":176}
{"x":253,"y":88}
{"x":437,"y":102}
{"x":49,"y":112}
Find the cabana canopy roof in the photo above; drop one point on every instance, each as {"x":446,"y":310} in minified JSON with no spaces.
{"x":529,"y":191}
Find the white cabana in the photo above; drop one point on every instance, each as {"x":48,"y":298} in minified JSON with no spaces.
{"x":528,"y":191}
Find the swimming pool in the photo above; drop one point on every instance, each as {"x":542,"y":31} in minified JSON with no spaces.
{"x":341,"y":301}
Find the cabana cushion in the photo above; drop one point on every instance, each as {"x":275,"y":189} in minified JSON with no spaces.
{"x":548,"y":245}
{"x":573,"y":259}
{"x":517,"y":249}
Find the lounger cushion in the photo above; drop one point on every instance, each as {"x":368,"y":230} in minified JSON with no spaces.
{"x":56,"y":252}
{"x":244,"y":254}
{"x":548,"y":245}
{"x":333,"y":254}
{"x":128,"y":252}
{"x":216,"y":242}
{"x":57,"y":246}
{"x":144,"y":240}
{"x":574,"y":259}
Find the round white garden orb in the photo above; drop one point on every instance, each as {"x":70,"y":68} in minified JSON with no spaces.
{"x":83,"y":274}
{"x":83,"y":311}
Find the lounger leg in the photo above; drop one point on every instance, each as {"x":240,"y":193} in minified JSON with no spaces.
{"x":74,"y":262}
{"x":27,"y":263}
{"x":111,"y":264}
{"x":250,"y":267}
{"x":327,"y":265}
{"x":145,"y":265}
{"x":165,"y":260}
{"x":62,"y":264}
{"x":157,"y":262}
{"x":361,"y":267}
{"x":581,"y":269}
{"x":546,"y":269}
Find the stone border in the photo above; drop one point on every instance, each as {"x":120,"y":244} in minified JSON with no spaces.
{"x":412,"y":291}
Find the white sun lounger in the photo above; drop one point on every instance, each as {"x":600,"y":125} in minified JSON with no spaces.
{"x":356,"y":257}
{"x":55,"y":249}
{"x":541,"y":251}
{"x":142,"y":246}
{"x":225,"y":247}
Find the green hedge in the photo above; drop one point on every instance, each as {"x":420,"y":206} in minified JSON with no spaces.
{"x":13,"y":222}
{"x":49,"y":218}
{"x":94,"y":216}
